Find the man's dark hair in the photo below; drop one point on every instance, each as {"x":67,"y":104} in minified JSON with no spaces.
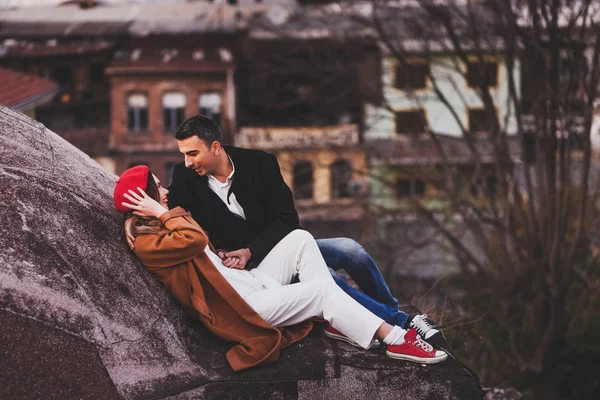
{"x":201,"y":126}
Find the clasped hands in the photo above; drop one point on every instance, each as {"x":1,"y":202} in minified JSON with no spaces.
{"x":237,"y":259}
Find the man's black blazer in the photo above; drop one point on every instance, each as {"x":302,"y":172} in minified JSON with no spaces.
{"x":259,"y":188}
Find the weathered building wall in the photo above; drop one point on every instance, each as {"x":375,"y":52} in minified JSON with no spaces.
{"x":155,"y":146}
{"x":449,"y":73}
{"x":321,"y":159}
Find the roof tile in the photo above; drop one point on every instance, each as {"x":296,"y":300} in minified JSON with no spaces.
{"x":17,"y":87}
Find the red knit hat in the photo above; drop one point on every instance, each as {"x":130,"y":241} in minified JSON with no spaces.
{"x":130,"y":180}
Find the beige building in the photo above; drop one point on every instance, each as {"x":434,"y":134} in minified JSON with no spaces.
{"x":324,"y":167}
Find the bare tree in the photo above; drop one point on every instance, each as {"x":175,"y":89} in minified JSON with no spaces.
{"x":537,"y":271}
{"x":532,"y":266}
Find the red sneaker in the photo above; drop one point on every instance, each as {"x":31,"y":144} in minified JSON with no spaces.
{"x":415,"y":349}
{"x":333,"y":333}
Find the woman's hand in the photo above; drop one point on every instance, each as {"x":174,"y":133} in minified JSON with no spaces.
{"x":236,"y":259}
{"x":143,"y":205}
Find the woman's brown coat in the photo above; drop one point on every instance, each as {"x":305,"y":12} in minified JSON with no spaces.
{"x":177,"y":258}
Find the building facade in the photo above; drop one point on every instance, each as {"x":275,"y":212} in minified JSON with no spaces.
{"x":434,"y":95}
{"x":325,"y":169}
{"x":155,"y":86}
{"x":128,"y":74}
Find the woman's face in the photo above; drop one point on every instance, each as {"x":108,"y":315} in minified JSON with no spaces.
{"x":162,"y":192}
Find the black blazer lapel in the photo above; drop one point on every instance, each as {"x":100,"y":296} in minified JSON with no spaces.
{"x":202,"y":205}
{"x":243,"y":182}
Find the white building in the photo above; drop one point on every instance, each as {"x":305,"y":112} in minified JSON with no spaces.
{"x":411,"y":105}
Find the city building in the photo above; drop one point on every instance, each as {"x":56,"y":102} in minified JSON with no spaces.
{"x":155,"y":85}
{"x":24,"y":92}
{"x":129,"y":73}
{"x":301,"y":95}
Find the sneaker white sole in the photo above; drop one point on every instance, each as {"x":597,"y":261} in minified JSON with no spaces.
{"x":374,"y":344}
{"x":420,"y":360}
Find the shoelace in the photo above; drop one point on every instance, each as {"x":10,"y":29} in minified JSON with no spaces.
{"x":423,"y":344}
{"x":420,"y":328}
{"x":424,"y":321}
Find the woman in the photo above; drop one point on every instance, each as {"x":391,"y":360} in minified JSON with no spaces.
{"x":258,"y":309}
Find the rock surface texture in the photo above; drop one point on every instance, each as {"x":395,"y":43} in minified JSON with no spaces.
{"x":81,"y":318}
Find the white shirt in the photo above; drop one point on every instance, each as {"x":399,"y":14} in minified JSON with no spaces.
{"x":243,"y":281}
{"x":221,"y":189}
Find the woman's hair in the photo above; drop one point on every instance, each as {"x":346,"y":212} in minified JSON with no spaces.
{"x":147,"y":225}
{"x":151,"y":187}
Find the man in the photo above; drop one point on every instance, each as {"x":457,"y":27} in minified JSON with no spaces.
{"x":240,"y":199}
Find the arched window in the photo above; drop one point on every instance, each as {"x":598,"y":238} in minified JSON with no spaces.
{"x":484,"y":186}
{"x":137,"y":112}
{"x":341,"y":174}
{"x":303,"y":180}
{"x":210,"y":105}
{"x":173,"y":110}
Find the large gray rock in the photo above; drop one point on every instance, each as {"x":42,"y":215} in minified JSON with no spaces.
{"x":81,"y":318}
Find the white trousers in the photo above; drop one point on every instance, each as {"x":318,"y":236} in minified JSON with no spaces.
{"x":316,"y":295}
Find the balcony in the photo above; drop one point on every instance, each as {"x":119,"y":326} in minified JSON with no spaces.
{"x":267,"y":138}
{"x":576,"y":124}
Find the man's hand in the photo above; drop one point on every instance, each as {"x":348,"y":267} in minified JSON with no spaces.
{"x":236,"y":259}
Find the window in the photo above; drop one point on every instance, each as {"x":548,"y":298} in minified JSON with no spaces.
{"x":571,"y":61}
{"x":479,"y":121}
{"x":484,"y":186}
{"x":410,"y":188}
{"x":576,"y":140}
{"x":86,"y":116}
{"x":173,"y":110}
{"x":341,"y":174}
{"x":529,"y":147}
{"x":410,"y":121}
{"x":485,"y":73}
{"x":63,"y":76}
{"x":137,"y":112}
{"x":303,"y":180}
{"x":209,"y":105}
{"x":97,"y":73}
{"x":411,"y":76}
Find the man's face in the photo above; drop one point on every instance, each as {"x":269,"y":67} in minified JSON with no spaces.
{"x":198,"y":156}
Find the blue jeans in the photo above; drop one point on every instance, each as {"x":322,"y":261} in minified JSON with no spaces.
{"x":375,"y":296}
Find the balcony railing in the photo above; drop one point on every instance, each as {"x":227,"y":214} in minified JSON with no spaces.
{"x":576,"y":124}
{"x":297,"y":137}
